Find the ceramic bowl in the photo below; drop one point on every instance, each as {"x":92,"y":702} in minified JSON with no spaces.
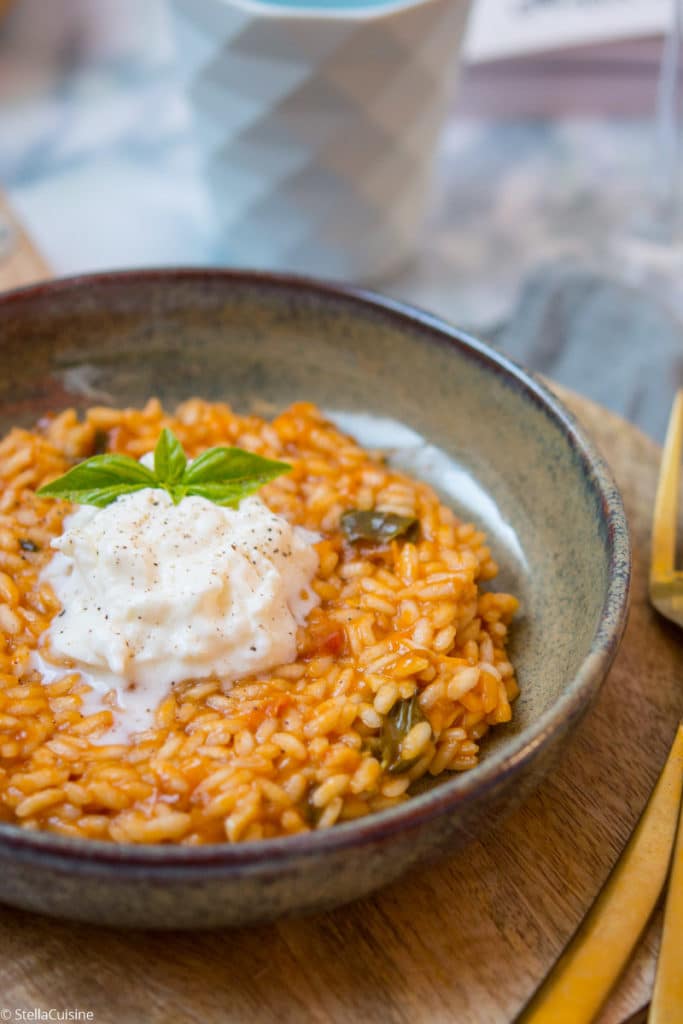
{"x":497,"y":444}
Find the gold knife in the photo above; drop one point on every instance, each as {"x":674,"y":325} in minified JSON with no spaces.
{"x":667,"y":998}
{"x":587,"y":970}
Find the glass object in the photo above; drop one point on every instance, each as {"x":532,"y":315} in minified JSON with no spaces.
{"x":317,"y":125}
{"x":651,"y":245}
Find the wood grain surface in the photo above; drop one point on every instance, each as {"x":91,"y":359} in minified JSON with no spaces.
{"x":461,"y":942}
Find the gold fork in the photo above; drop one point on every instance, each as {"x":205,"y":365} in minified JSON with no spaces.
{"x":589,"y":967}
{"x":666,"y":594}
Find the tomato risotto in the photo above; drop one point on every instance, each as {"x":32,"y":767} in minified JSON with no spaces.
{"x":400,"y":664}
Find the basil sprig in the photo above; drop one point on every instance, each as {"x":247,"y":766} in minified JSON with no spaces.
{"x":222,"y":475}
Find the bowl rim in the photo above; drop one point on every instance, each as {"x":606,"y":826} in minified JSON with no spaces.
{"x":465,"y":788}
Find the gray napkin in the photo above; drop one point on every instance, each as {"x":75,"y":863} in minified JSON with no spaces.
{"x":610,"y":342}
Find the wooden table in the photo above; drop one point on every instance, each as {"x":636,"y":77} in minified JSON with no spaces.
{"x":462,"y":942}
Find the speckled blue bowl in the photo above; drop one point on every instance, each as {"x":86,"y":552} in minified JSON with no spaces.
{"x":500,"y":447}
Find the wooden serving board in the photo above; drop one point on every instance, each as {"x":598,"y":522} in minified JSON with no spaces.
{"x":461,"y":942}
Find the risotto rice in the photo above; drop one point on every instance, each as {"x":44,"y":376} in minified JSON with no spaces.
{"x":401,"y":669}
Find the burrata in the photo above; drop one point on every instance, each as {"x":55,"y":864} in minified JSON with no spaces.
{"x":154,"y":593}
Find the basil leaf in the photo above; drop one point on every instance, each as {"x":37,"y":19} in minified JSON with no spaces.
{"x":229,"y":493}
{"x":234,"y":465}
{"x":169,"y":458}
{"x":99,"y":480}
{"x":307,"y":809}
{"x":395,"y":727}
{"x":374,"y":526}
{"x":222,"y":475}
{"x":100,"y":497}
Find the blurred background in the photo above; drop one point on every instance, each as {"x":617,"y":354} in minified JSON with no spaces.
{"x":552,"y":223}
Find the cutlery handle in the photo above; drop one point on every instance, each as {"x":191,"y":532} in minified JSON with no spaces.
{"x":586,"y":971}
{"x":667,"y":997}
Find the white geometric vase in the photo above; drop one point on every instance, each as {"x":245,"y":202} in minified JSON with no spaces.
{"x":318,"y":126}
